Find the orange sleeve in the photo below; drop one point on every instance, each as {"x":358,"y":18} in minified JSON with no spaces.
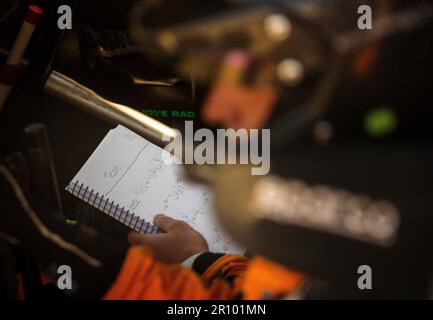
{"x":141,"y":277}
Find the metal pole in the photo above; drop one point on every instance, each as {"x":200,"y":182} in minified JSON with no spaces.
{"x":81,"y":96}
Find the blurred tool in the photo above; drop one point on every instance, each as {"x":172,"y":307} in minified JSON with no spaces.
{"x":295,"y":52}
{"x":42,"y":170}
{"x":308,"y":45}
{"x":10,"y":70}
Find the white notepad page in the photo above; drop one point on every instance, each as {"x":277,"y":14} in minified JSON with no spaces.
{"x":129,"y":171}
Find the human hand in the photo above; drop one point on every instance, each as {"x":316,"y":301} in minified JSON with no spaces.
{"x":178,"y":243}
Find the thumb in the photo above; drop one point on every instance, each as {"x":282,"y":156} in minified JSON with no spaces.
{"x":164,"y":222}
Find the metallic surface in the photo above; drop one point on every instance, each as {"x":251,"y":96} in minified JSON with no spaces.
{"x":81,"y":96}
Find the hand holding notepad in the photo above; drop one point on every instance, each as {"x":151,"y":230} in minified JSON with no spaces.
{"x":126,"y":178}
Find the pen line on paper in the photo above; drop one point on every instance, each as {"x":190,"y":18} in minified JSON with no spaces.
{"x":126,"y":171}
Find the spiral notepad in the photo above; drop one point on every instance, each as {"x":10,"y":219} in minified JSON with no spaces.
{"x":127,"y":179}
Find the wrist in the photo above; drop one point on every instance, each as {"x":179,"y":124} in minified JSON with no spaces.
{"x":189,"y":262}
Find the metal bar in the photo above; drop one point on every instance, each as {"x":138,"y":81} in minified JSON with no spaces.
{"x":68,"y":89}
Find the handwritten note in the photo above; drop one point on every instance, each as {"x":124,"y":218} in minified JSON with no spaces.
{"x":129,"y":170}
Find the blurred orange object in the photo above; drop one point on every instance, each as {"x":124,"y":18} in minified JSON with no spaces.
{"x":234,"y":105}
{"x":239,"y":107}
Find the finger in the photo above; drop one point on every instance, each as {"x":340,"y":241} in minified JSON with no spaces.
{"x":134,"y":238}
{"x":165,"y":223}
{"x":142,"y":239}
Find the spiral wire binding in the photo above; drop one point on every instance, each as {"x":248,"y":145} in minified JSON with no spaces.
{"x":109,"y":207}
